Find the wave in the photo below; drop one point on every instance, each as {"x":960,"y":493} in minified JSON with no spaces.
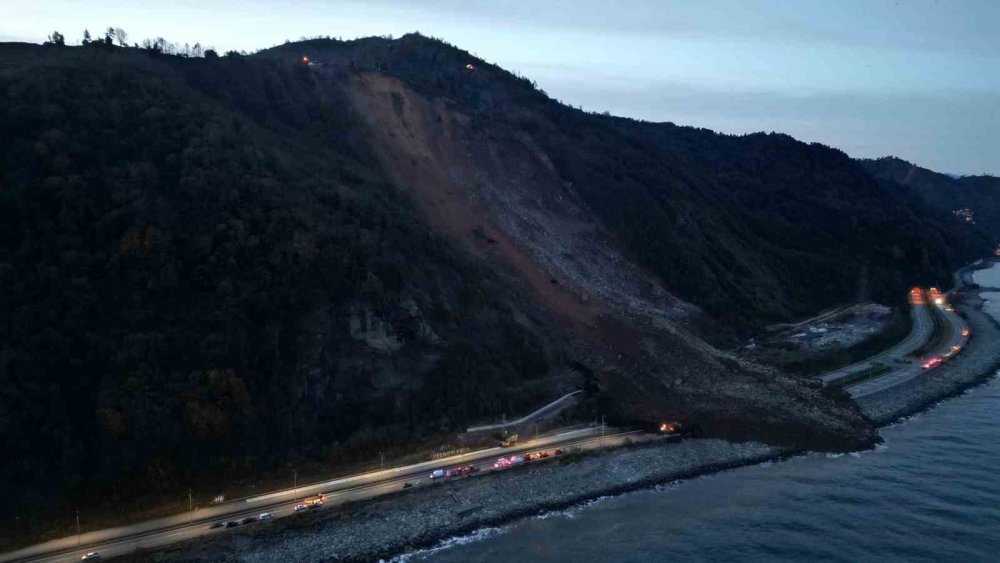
{"x":448,"y":543}
{"x":574,"y":510}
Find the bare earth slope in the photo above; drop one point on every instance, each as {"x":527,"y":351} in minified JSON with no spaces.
{"x":495,"y":191}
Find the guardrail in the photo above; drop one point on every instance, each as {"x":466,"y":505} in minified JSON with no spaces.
{"x":554,"y":405}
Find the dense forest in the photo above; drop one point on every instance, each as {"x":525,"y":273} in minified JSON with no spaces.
{"x":204,"y":268}
{"x":977,"y":195}
{"x":175,"y":271}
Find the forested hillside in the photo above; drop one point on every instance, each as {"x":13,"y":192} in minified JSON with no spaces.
{"x":749,"y":227}
{"x":217,"y":265}
{"x":978,"y":194}
{"x":187,"y":283}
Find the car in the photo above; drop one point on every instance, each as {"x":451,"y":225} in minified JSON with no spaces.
{"x":248,"y":520}
{"x":92,"y":556}
{"x":300,"y":507}
{"x":965,"y":332}
{"x":265,"y":516}
{"x":438,"y":474}
{"x":558,"y":451}
{"x":315,"y":505}
{"x":931,"y":362}
{"x":232,"y":524}
{"x":217,"y":525}
{"x":407,"y":485}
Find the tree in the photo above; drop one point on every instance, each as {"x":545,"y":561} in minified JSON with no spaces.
{"x":121,"y":36}
{"x":86,"y":37}
{"x":56,"y":39}
{"x":211,"y":54}
{"x":197,"y":51}
{"x":108,"y":35}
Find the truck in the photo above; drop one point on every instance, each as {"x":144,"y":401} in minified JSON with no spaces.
{"x":509,"y":441}
{"x":315,"y":499}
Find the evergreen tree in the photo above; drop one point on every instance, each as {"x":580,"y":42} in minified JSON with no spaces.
{"x":56,"y":39}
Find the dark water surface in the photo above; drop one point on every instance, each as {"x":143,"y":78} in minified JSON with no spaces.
{"x":931,"y":492}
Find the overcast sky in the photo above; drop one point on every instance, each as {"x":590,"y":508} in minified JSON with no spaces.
{"x":915,"y":79}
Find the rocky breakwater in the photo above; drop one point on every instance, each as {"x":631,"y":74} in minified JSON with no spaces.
{"x":420,"y":517}
{"x":977,"y":362}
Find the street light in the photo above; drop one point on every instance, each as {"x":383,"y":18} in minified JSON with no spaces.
{"x":78,"y":527}
{"x":295,"y":479}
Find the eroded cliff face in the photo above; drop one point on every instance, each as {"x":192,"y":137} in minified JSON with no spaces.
{"x":491,"y":188}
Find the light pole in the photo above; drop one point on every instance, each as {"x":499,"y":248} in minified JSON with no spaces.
{"x":190,"y":501}
{"x":78,"y":527}
{"x":602,"y":426}
{"x":295,"y":479}
{"x":381,"y":460}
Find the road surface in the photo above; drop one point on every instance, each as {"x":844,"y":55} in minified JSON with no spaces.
{"x":954,"y":327}
{"x":163,"y":531}
{"x":923,"y":325}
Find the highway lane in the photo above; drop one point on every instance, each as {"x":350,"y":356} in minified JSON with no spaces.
{"x":163,"y":531}
{"x":923,"y":325}
{"x":954,"y":327}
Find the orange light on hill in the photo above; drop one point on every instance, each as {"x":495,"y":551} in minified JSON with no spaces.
{"x":305,"y":59}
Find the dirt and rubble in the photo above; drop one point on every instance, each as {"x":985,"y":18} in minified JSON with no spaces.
{"x":848,"y":327}
{"x":495,"y":191}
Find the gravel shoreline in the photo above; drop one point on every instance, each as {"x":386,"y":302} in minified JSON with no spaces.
{"x":421,"y":518}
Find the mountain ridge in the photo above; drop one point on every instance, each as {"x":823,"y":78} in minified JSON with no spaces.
{"x":219,"y":265}
{"x":947,"y":192}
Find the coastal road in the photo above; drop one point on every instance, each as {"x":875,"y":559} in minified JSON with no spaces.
{"x":923,"y":325}
{"x":955,"y":335}
{"x":163,"y":531}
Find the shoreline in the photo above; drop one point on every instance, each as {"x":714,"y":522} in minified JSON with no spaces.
{"x":973,"y":366}
{"x":421,"y":519}
{"x":403,"y":522}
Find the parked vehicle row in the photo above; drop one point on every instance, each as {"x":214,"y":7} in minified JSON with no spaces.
{"x":263,"y":516}
{"x":454,"y":472}
{"x":316,"y":502}
{"x":505,"y":462}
